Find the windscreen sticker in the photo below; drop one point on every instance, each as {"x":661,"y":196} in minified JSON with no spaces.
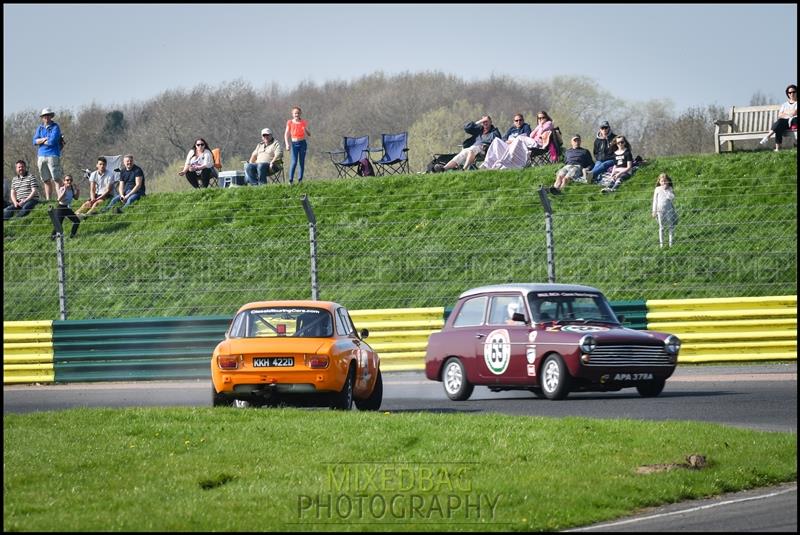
{"x":497,"y":351}
{"x":564,"y":294}
{"x":583,"y":328}
{"x":276,"y":311}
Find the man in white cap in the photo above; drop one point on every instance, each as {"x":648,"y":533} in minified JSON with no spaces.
{"x":47,"y":139}
{"x":266,"y":159}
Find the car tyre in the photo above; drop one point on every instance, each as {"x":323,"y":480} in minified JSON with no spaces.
{"x":373,"y":402}
{"x":555,"y":378}
{"x":220,"y":400}
{"x":343,"y":401}
{"x":652,"y":388}
{"x":454,"y":380}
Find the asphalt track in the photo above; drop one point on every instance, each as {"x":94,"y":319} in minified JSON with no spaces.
{"x":761,"y":396}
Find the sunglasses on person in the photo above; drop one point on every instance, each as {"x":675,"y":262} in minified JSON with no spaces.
{"x":200,"y":145}
{"x":792,"y":92}
{"x":517,"y":120}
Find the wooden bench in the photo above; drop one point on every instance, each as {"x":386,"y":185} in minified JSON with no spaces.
{"x":745,"y":122}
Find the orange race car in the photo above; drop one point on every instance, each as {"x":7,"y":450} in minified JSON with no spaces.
{"x":300,"y":348}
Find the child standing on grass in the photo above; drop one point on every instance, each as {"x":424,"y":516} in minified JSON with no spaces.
{"x":664,"y":208}
{"x":296,"y":131}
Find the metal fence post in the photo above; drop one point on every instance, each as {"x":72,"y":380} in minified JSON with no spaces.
{"x":548,"y":227}
{"x":62,"y":272}
{"x":312,"y":238}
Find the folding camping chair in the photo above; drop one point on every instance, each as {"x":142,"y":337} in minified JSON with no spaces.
{"x":394,"y":160}
{"x":354,"y":150}
{"x":552,"y":153}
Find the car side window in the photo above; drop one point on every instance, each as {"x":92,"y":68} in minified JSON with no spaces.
{"x":471,"y":312}
{"x":237,"y":329}
{"x":503,"y":308}
{"x":343,"y":323}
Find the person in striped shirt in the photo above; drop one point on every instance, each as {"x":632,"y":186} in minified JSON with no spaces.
{"x":24,"y":193}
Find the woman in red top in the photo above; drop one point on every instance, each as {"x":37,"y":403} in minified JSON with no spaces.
{"x":296,"y":131}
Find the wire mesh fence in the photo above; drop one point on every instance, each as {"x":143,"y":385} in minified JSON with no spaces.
{"x":401,"y":249}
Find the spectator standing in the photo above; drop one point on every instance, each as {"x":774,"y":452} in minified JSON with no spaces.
{"x":603,"y":150}
{"x":101,"y":184}
{"x":265,"y":160}
{"x":787,"y":117}
{"x":664,"y":208}
{"x":65,"y":194}
{"x":623,"y":163}
{"x":131,"y":186}
{"x":199,"y":164}
{"x":482,"y":133}
{"x":578,"y":162}
{"x":24,"y":195}
{"x":47,"y":139}
{"x":296,"y":131}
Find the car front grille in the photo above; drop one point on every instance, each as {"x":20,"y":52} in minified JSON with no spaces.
{"x":630,"y":355}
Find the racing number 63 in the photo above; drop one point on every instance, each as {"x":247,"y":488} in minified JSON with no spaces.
{"x":497,"y":351}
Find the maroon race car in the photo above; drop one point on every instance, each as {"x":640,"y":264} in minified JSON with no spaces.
{"x":547,"y":338}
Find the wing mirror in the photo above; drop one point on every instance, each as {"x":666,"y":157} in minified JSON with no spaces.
{"x":364,"y":334}
{"x":518,"y":316}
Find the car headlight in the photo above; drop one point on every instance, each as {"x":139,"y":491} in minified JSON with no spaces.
{"x":672,"y":344}
{"x":587,"y":343}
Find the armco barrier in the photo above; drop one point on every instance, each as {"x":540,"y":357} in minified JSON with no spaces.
{"x":136,"y":349}
{"x":729,"y":329}
{"x":28,"y":352}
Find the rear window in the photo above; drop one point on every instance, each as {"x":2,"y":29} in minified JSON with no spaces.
{"x":276,"y":322}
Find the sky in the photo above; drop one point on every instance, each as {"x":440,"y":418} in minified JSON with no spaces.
{"x":113,"y":55}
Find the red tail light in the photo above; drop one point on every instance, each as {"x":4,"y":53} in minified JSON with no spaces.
{"x":228,"y":362}
{"x":316,"y":361}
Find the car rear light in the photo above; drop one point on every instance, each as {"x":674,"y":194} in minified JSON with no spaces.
{"x":229,"y":362}
{"x":317,"y":361}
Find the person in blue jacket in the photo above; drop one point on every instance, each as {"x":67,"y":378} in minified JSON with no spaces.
{"x":482,"y":132}
{"x":47,"y":139}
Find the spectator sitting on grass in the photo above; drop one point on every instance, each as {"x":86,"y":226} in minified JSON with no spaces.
{"x":130,"y":186}
{"x":578,"y":162}
{"x":101,"y":187}
{"x":623,"y":163}
{"x":24,"y":195}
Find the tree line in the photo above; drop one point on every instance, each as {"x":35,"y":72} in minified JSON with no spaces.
{"x":431,"y":106}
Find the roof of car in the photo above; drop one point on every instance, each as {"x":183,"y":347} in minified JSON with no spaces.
{"x":529,"y":287}
{"x":329,"y":305}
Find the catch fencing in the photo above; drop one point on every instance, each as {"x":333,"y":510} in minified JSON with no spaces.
{"x":396,"y":249}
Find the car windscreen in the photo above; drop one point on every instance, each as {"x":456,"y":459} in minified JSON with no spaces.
{"x":570,"y":306}
{"x":271,"y":322}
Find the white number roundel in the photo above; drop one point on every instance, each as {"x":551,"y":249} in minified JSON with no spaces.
{"x":497,"y":351}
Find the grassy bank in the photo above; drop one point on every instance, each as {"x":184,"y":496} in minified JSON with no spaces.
{"x":294,"y":469}
{"x":418,"y":240}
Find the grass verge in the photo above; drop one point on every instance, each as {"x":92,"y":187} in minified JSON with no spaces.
{"x":293,"y":469}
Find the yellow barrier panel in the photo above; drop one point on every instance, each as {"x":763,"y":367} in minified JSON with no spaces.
{"x":729,"y":329}
{"x":28,"y":352}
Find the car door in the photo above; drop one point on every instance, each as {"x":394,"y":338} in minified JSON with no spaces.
{"x":366,"y":358}
{"x":467,"y":327}
{"x":502,"y":343}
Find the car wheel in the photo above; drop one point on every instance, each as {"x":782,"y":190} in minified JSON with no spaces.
{"x":343,"y":400}
{"x":373,"y":402}
{"x":220,"y":400}
{"x":652,"y":388}
{"x":555,"y":378}
{"x":454,"y":379}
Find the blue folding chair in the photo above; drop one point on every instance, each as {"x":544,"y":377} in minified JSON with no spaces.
{"x":355,"y":149}
{"x":395,"y":155}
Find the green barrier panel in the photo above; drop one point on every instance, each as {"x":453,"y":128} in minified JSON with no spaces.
{"x":129,"y":349}
{"x":635,"y":312}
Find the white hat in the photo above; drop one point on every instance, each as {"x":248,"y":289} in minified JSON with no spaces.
{"x":266,"y":131}
{"x":47,"y":111}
